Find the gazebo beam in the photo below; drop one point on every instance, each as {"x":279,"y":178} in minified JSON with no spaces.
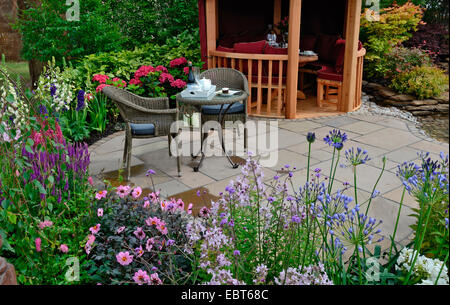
{"x":211,"y":28}
{"x":350,"y":58}
{"x":276,"y":12}
{"x":295,"y":9}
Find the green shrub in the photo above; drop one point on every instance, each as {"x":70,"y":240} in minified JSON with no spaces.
{"x":379,"y":37}
{"x":401,"y":59}
{"x":124,"y":63}
{"x":143,"y":21}
{"x":423,"y":82}
{"x":46,"y":33}
{"x":44,"y":190}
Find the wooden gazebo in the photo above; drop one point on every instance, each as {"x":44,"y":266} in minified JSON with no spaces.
{"x":278,"y":95}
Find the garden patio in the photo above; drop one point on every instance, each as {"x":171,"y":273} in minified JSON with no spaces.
{"x":224,"y":142}
{"x":398,"y":140}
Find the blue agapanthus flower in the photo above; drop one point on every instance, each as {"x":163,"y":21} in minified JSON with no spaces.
{"x":357,"y":157}
{"x":311,"y":137}
{"x":336,"y":138}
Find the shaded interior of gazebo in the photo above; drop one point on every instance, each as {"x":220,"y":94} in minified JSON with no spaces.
{"x":284,"y":84}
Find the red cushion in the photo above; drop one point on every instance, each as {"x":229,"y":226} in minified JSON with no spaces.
{"x":225,"y":49}
{"x":340,"y":49}
{"x":328,"y":72}
{"x":308,"y":42}
{"x":325,"y":47}
{"x":275,"y":64}
{"x":250,"y":47}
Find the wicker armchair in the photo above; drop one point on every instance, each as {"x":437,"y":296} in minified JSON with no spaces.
{"x":144,"y":118}
{"x":226,"y":78}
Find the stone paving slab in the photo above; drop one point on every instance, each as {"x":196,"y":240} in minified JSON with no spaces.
{"x":394,"y":138}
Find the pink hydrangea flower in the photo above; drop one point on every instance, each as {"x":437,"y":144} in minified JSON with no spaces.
{"x":161,"y":69}
{"x":63,"y":248}
{"x":139,"y":233}
{"x":178,"y":84}
{"x":100,"y":212}
{"x":137,"y":192}
{"x":123,"y":191}
{"x":186,"y":70}
{"x":166,"y":77}
{"x":38,"y":242}
{"x":135,"y":81}
{"x":100,"y":78}
{"x":124,"y":258}
{"x":119,"y":82}
{"x":101,"y":194}
{"x":143,"y":71}
{"x":178,"y":62}
{"x":45,"y":223}
{"x":154,"y":279}
{"x":95,"y":229}
{"x":141,"y":277}
{"x":100,"y":87}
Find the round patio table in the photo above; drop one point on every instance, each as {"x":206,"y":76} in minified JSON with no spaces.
{"x":190,"y":105}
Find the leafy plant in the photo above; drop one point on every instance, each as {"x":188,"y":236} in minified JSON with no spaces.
{"x":138,"y":241}
{"x":401,"y":59}
{"x":46,"y":32}
{"x":44,"y":189}
{"x":396,"y":25}
{"x":423,"y":82}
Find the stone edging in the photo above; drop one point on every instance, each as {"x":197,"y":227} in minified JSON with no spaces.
{"x":389,"y":98}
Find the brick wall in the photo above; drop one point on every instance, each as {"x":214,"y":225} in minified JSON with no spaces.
{"x":10,"y":42}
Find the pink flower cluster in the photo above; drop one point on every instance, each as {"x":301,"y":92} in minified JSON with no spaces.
{"x":178,"y":62}
{"x":89,"y":243}
{"x":100,"y":87}
{"x":100,"y":78}
{"x":166,"y":77}
{"x":158,"y":223}
{"x":119,"y":83}
{"x":143,"y":71}
{"x":45,"y":223}
{"x":141,"y":277}
{"x":178,"y":84}
{"x":124,"y":190}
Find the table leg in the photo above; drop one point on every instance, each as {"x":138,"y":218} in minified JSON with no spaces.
{"x":301,"y":95}
{"x":234,"y":165}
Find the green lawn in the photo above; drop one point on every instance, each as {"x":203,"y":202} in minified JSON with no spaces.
{"x":16,"y":69}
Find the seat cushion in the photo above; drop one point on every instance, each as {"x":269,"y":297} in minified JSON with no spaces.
{"x":142,"y":129}
{"x":225,"y":49}
{"x":214,"y":109}
{"x":256,"y":47}
{"x":329,"y":73}
{"x":340,"y":49}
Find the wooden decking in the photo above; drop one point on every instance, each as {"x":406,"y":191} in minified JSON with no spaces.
{"x":305,"y":109}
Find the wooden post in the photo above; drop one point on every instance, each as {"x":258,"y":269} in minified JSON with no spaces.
{"x":211,"y":28}
{"x":295,"y":9}
{"x":276,"y":12}
{"x":350,"y":58}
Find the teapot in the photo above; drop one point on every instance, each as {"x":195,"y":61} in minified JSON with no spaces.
{"x":205,"y":84}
